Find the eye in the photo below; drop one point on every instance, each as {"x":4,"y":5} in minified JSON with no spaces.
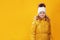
{"x":43,"y":12}
{"x":40,"y":12}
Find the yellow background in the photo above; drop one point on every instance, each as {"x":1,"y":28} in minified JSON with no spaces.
{"x":16,"y":18}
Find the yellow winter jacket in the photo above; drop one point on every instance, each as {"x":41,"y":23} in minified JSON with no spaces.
{"x":40,"y":30}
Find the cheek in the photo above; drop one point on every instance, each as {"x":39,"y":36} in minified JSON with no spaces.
{"x":43,"y":14}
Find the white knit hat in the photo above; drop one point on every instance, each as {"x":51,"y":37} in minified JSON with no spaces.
{"x":41,"y":9}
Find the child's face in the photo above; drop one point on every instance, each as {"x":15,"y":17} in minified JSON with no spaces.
{"x":42,"y":14}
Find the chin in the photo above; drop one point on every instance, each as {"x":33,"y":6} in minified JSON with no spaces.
{"x":42,"y":17}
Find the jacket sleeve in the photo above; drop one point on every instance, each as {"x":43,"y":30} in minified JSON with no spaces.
{"x":50,"y":32}
{"x":34,"y":25}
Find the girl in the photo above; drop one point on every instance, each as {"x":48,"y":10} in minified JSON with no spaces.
{"x":41,"y":25}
